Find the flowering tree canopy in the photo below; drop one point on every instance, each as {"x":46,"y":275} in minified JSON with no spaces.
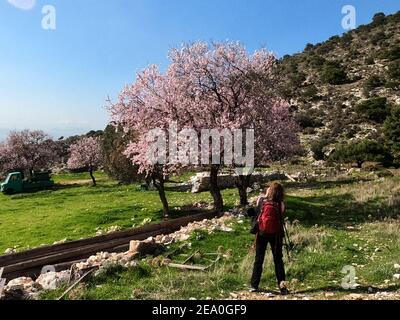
{"x":218,"y":86}
{"x":85,"y":153}
{"x":27,"y":151}
{"x":222,"y":86}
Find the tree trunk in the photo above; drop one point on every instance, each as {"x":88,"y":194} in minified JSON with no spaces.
{"x":161,"y":192}
{"x":242,"y":183}
{"x":215,"y":190}
{"x":92,"y":176}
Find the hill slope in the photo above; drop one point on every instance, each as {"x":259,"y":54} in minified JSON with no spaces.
{"x":327,"y":81}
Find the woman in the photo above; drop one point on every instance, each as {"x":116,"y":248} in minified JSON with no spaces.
{"x":271,"y":231}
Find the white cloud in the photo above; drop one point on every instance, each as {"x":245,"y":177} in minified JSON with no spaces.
{"x":23,"y":4}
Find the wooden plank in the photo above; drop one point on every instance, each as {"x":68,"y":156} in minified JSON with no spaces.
{"x":186,"y":267}
{"x":43,"y":251}
{"x":73,"y":253}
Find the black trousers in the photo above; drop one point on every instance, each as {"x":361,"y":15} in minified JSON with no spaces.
{"x":276,"y":243}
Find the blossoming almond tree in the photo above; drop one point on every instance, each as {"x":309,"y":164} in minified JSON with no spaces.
{"x":222,"y":86}
{"x":85,"y":154}
{"x":148,"y":105}
{"x":27,"y":151}
{"x":207,"y":87}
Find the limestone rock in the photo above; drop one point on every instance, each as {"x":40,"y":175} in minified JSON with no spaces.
{"x":148,"y":247}
{"x":201,"y":181}
{"x":53,"y":280}
{"x":22,"y":288}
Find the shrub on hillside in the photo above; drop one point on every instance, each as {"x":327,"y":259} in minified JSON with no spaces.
{"x":310,"y":91}
{"x":378,"y":38}
{"x":392,"y":53}
{"x":317,"y":148}
{"x":316,"y":61}
{"x":379,"y":19}
{"x":308,"y":119}
{"x":372,"y":83}
{"x":346,"y":39}
{"x":360,"y":152}
{"x":391,"y":130}
{"x":375,"y":109}
{"x":333,"y":73}
{"x":369,"y":60}
{"x":394,"y":70}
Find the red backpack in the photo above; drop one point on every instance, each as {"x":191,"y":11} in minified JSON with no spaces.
{"x":270,"y":219}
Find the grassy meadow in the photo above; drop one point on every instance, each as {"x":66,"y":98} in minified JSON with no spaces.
{"x":352,"y":221}
{"x":75,"y":209}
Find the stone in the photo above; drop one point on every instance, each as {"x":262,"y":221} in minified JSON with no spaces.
{"x":22,"y":288}
{"x":396,"y":277}
{"x":201,"y":181}
{"x":61,"y":241}
{"x":147,"y":247}
{"x":53,"y":280}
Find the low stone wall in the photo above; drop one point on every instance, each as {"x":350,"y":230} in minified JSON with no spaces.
{"x":201,"y":181}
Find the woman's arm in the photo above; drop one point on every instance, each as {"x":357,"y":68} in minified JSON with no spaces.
{"x":260,"y":202}
{"x":283,"y":208}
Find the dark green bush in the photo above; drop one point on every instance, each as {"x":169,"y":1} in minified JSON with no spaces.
{"x":317,"y":148}
{"x":394,"y":70}
{"x":375,"y":109}
{"x":369,"y":60}
{"x":310,"y":91}
{"x":116,"y":164}
{"x":333,"y":73}
{"x":391,"y":130}
{"x":372,"y":83}
{"x":378,"y":38}
{"x":346,"y":39}
{"x":316,"y":61}
{"x":392,"y":53}
{"x":379,"y":19}
{"x":308,"y":120}
{"x":360,"y":152}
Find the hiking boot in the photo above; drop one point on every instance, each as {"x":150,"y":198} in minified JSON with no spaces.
{"x":252,"y":289}
{"x":284,"y":291}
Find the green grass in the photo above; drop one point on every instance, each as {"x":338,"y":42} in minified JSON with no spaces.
{"x":333,"y":224}
{"x":74,"y":209}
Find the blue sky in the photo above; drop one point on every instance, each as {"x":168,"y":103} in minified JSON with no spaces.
{"x":59,"y":80}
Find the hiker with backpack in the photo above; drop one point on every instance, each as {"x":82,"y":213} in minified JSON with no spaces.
{"x":269,"y":229}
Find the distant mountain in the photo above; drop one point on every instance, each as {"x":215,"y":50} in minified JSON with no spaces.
{"x":333,"y":86}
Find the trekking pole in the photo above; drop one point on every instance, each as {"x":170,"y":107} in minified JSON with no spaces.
{"x":288,"y":243}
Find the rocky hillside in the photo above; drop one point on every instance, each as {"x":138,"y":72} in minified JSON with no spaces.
{"x":333,"y":86}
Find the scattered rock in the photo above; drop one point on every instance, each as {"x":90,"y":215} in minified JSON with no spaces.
{"x":61,"y":241}
{"x":53,"y":280}
{"x":201,"y":181}
{"x":23,"y":288}
{"x":147,"y":247}
{"x":10,"y":250}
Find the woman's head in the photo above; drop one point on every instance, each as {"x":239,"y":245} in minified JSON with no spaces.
{"x":275,"y":192}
